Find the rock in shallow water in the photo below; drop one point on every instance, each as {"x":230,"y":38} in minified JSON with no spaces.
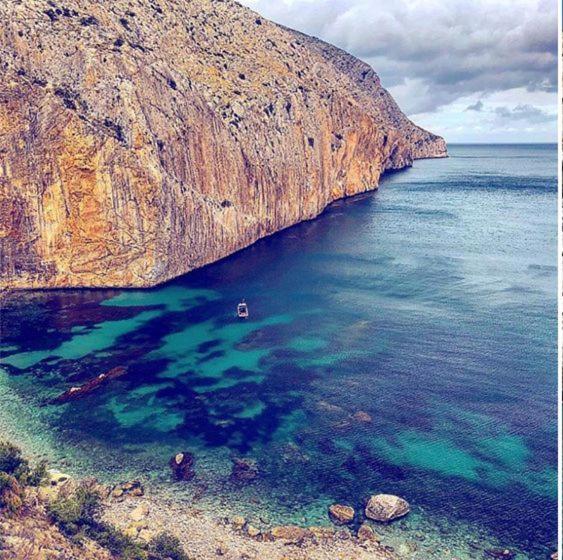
{"x":341,"y":514}
{"x":362,"y":417}
{"x":244,"y":470}
{"x":386,"y":507}
{"x":182,"y":465}
{"x":500,"y":553}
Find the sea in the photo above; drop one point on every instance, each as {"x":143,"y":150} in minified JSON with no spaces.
{"x":403,"y":342}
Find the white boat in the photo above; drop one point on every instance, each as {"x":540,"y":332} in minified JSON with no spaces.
{"x":242,"y":310}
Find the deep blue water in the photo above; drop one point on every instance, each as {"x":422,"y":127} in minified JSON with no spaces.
{"x":429,"y":304}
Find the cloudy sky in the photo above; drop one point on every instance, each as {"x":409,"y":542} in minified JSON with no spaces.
{"x":470,"y":70}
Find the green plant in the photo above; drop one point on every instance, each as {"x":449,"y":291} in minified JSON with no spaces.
{"x":166,"y":547}
{"x":73,"y":513}
{"x":38,"y":474}
{"x":11,"y":460}
{"x":77,"y":516}
{"x":116,"y":542}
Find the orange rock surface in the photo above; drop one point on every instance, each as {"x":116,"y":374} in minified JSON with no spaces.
{"x":141,"y":140}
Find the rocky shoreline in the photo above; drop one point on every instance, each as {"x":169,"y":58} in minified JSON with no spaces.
{"x":141,"y":514}
{"x":141,"y":517}
{"x":205,"y":538}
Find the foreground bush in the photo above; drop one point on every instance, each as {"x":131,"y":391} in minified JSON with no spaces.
{"x":74,"y":513}
{"x":166,"y":547}
{"x":11,"y":460}
{"x":77,"y":515}
{"x":13,"y":463}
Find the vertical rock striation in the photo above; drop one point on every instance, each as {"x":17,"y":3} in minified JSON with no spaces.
{"x":142,"y":139}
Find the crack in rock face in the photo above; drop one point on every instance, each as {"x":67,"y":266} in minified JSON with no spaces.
{"x":139,"y":141}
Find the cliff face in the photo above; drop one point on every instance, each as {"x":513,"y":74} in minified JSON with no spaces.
{"x":141,"y":139}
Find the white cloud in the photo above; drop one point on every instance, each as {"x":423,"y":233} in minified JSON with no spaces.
{"x":432,"y":53}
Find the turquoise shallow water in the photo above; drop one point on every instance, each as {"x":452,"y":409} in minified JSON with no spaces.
{"x":430,"y":305}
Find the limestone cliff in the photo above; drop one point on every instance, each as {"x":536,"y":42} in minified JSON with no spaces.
{"x":141,"y":139}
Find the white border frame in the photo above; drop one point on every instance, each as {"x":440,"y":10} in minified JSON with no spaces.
{"x":560,"y":280}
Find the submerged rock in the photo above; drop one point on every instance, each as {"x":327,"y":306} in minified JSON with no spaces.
{"x":327,"y":407}
{"x":182,"y":465}
{"x":500,"y":553}
{"x":244,"y":470}
{"x":362,"y":417}
{"x":386,"y":507}
{"x":90,"y":386}
{"x":340,"y":514}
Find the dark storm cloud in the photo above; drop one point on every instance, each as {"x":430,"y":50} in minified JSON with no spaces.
{"x":478,"y":106}
{"x":446,"y":49}
{"x":527,"y":113}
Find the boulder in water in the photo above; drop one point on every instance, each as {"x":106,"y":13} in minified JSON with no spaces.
{"x":386,"y":507}
{"x":182,"y":465}
{"x":340,"y":514}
